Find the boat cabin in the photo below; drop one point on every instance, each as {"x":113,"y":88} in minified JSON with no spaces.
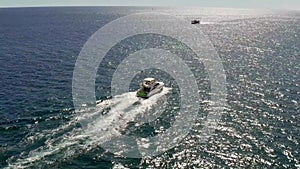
{"x":148,"y":82}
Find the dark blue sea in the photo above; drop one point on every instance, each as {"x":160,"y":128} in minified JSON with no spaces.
{"x":259,"y":126}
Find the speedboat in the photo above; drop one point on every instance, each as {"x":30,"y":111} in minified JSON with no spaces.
{"x":195,"y":21}
{"x":149,"y":87}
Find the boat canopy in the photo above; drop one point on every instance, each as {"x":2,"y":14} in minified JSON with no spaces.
{"x":149,"y":81}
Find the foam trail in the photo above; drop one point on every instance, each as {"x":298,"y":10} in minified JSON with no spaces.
{"x":110,"y":116}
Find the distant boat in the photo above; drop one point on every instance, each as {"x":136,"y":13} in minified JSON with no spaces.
{"x":195,"y":21}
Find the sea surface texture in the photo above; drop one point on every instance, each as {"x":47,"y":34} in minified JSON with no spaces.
{"x":39,"y":128}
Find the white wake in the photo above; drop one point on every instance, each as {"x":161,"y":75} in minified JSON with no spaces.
{"x":103,"y":125}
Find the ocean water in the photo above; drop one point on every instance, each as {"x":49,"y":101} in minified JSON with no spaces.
{"x":259,"y":126}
